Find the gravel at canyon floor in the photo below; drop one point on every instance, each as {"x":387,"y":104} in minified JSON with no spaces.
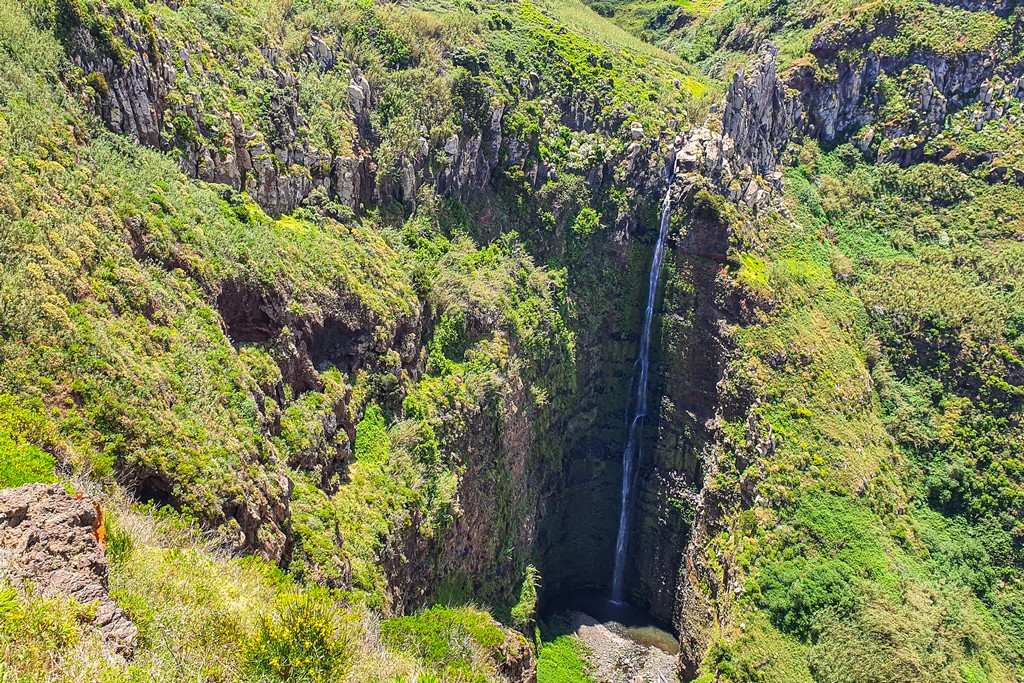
{"x":615,"y":658}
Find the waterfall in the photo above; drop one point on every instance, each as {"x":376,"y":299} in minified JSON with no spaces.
{"x":632,"y":453}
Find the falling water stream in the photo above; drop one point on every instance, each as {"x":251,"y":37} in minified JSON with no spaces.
{"x":632,"y":453}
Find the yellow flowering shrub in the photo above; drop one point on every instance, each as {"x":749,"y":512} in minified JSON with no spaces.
{"x":37,"y":633}
{"x":306,"y":643}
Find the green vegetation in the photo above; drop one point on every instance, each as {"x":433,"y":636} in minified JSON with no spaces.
{"x":21,"y":461}
{"x":330,"y":391}
{"x":453,"y":643}
{"x":232,"y":619}
{"x":560,"y":660}
{"x":525,"y":611}
{"x":881,"y":351}
{"x":375,"y":392}
{"x":305,"y":643}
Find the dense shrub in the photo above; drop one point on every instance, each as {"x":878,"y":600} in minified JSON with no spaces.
{"x":525,"y":610}
{"x":307,"y":643}
{"x":795,"y":591}
{"x":372,"y":442}
{"x":453,"y":642}
{"x":470,"y":98}
{"x":21,"y":461}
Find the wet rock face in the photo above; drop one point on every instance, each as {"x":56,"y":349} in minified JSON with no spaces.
{"x":578,"y":536}
{"x":690,"y":351}
{"x":500,"y":503}
{"x":56,"y":541}
{"x":710,"y":586}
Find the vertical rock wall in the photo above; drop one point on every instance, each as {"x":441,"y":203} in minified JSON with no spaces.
{"x":689,"y":360}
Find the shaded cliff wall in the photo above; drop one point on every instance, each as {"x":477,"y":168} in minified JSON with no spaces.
{"x":578,"y":536}
{"x":689,"y":361}
{"x":735,"y":155}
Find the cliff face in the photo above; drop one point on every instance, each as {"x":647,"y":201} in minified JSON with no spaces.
{"x":735,"y":154}
{"x":693,"y":344}
{"x":564,"y":490}
{"x":739,"y":149}
{"x":891,"y":102}
{"x":379,"y":387}
{"x":150,"y":93}
{"x":308,"y":127}
{"x":157,"y":91}
{"x":902,"y":107}
{"x":852,"y":86}
{"x":577,"y":539}
{"x":609,"y":287}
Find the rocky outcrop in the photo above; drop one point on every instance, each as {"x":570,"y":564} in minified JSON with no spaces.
{"x":140,"y":95}
{"x":1002,"y":8}
{"x":757,"y":116}
{"x":890,"y":104}
{"x":57,"y":542}
{"x":339,"y":331}
{"x":158,"y":93}
{"x":515,"y":659}
{"x":249,"y":513}
{"x":739,"y":150}
{"x":473,"y":158}
{"x":846,"y":90}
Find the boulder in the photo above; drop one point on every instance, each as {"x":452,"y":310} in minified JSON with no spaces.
{"x":58,"y":542}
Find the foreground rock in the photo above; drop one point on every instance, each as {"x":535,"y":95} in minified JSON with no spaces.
{"x":515,"y":658}
{"x":55,"y":541}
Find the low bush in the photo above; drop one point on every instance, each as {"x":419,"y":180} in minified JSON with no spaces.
{"x":21,"y":461}
{"x":306,"y":643}
{"x":456,"y":643}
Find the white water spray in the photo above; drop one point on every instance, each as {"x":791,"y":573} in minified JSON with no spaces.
{"x":632,"y":452}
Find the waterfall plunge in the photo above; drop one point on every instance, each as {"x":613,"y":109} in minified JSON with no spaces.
{"x":632,"y":453}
